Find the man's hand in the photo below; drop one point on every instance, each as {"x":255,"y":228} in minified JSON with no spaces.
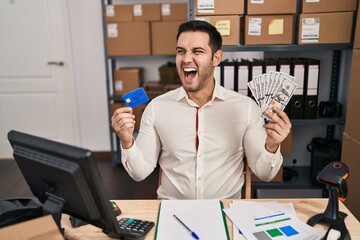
{"x":276,"y":129}
{"x":123,"y":123}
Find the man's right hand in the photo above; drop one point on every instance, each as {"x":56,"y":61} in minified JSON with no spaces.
{"x":123,"y":123}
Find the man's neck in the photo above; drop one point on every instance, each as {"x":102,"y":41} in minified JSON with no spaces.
{"x":204,"y":95}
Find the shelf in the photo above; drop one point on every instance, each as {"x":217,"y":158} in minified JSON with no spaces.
{"x":256,"y":48}
{"x":319,"y":121}
{"x":279,"y":48}
{"x":141,"y":57}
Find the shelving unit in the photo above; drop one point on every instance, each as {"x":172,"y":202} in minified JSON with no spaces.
{"x":303,"y":181}
{"x":334,"y":84}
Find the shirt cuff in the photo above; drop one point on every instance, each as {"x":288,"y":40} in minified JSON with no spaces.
{"x":128,"y":154}
{"x":272,"y":157}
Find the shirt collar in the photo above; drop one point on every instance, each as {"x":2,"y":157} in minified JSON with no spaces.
{"x":219,"y":93}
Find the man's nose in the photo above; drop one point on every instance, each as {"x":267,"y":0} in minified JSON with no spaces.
{"x":188,"y":57}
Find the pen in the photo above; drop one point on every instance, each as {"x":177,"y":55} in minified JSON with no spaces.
{"x":193,"y":234}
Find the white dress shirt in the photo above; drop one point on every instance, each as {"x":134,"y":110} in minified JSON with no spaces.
{"x":227,"y":128}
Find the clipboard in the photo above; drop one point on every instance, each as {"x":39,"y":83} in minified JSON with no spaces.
{"x":211,"y":223}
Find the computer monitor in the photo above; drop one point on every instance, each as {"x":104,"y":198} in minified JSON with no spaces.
{"x":65,"y":179}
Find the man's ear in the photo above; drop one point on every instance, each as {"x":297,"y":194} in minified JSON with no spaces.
{"x":217,"y":58}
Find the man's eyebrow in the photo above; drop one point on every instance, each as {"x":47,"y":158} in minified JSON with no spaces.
{"x":193,"y":49}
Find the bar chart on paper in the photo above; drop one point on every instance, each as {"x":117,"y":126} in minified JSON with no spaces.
{"x":267,"y":221}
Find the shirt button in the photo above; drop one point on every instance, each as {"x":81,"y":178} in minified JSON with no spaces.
{"x":199,"y":178}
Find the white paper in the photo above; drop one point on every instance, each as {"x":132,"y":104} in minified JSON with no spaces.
{"x":204,"y":217}
{"x":270,"y":220}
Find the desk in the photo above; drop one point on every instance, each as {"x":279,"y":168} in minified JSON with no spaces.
{"x":148,"y":210}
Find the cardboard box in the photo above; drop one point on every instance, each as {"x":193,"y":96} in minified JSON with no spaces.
{"x":138,"y":111}
{"x":154,"y":89}
{"x":219,"y":7}
{"x":119,"y":13}
{"x":269,"y":29}
{"x":147,"y":12}
{"x":229,"y":27}
{"x":174,"y":11}
{"x":328,"y":6}
{"x":168,"y":74}
{"x":350,"y":156}
{"x":317,"y":28}
{"x":128,"y":39}
{"x":42,"y":228}
{"x":127,"y":79}
{"x":271,"y":7}
{"x":163,"y":37}
{"x":353,"y":104}
{"x":286,"y":145}
{"x":357,"y":31}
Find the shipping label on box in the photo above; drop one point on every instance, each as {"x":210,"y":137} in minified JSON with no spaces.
{"x":206,"y":6}
{"x":310,"y":30}
{"x":255,"y":26}
{"x":112,"y":30}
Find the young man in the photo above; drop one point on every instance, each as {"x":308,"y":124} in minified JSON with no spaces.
{"x":201,"y":132}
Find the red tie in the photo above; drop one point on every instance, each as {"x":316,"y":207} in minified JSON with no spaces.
{"x":197,"y":127}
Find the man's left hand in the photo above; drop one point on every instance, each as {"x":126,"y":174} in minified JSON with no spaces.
{"x":276,"y":129}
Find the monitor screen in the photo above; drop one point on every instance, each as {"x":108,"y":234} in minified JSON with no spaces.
{"x":65,"y":177}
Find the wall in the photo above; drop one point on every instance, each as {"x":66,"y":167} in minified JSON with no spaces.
{"x":89,"y":73}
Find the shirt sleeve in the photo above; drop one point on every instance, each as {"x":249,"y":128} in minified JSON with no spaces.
{"x":264,"y":165}
{"x":141,"y":159}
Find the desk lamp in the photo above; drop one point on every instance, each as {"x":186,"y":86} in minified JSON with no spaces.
{"x":334,"y":177}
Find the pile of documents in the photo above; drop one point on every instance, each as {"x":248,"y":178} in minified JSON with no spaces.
{"x":268,"y":220}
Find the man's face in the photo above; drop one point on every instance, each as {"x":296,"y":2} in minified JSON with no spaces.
{"x":194,"y":61}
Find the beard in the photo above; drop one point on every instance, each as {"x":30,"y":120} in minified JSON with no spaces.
{"x":204,"y":76}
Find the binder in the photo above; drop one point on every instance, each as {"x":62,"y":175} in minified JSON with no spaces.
{"x":270,"y":64}
{"x":205,"y":217}
{"x":312,"y":72}
{"x":256,"y":68}
{"x":217,"y":73}
{"x":229,"y":74}
{"x":297,"y":101}
{"x":243,"y":74}
{"x":284,"y":65}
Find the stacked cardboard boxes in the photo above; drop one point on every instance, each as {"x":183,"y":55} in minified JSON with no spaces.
{"x":163,"y":33}
{"x":326,"y":21}
{"x":225,"y":15}
{"x":143,"y":29}
{"x":351,"y":136}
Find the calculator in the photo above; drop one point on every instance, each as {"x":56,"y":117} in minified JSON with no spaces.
{"x":132,"y":228}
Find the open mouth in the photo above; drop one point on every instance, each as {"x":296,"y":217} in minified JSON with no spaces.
{"x":189,"y":73}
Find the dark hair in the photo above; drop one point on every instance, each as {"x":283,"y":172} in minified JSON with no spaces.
{"x":202,"y":26}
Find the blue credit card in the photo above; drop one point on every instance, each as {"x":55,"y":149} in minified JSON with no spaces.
{"x":135,"y":98}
